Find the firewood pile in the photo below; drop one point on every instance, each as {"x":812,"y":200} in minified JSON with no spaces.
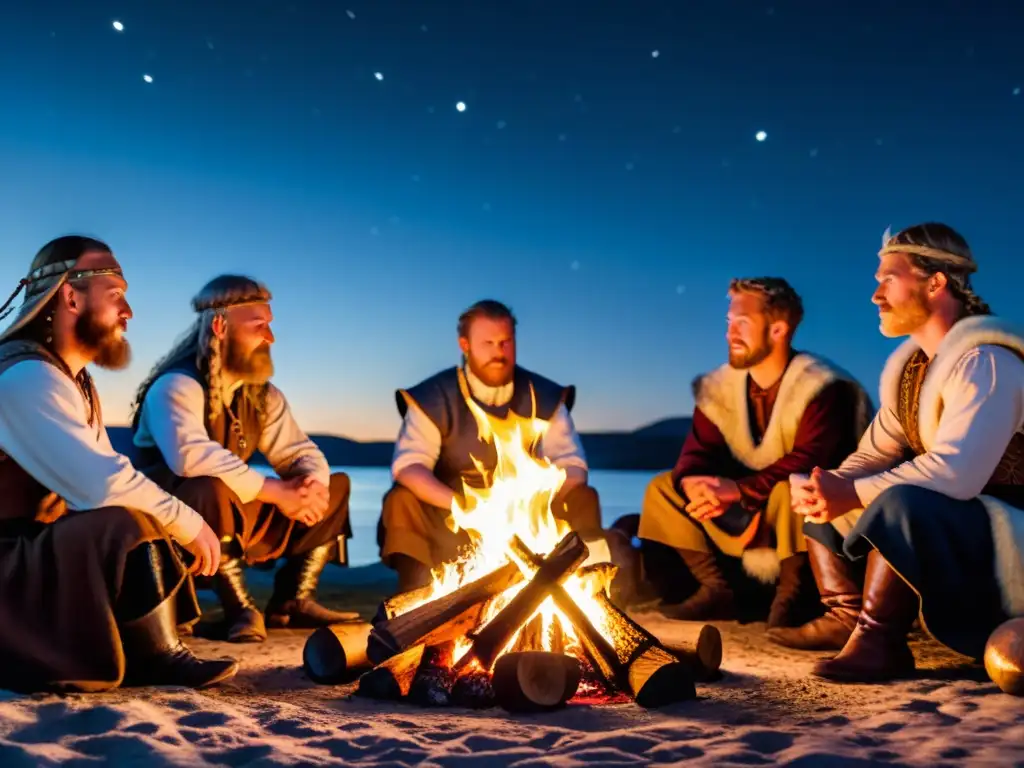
{"x":447,"y":652}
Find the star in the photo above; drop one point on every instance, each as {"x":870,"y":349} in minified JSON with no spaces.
{"x":378,"y":75}
{"x":1016,"y":91}
{"x":655,"y":54}
{"x":760,"y":135}
{"x":118,"y":26}
{"x":148,"y":78}
{"x":351,"y":14}
{"x":461,"y":106}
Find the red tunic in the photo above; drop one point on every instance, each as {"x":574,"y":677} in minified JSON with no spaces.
{"x":824,"y":438}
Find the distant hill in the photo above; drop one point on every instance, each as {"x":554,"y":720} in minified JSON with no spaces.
{"x":655,"y":446}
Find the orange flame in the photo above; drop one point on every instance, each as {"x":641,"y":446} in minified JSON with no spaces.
{"x":515,"y":502}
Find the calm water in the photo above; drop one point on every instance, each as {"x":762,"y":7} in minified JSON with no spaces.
{"x":621,"y":493}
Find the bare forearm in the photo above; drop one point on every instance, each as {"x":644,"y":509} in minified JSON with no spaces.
{"x":425,"y":486}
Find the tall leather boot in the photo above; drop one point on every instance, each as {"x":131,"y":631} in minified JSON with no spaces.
{"x":293,"y":602}
{"x":155,"y":655}
{"x":787,"y":592}
{"x":713,"y":598}
{"x":840,"y":594}
{"x":877,"y":649}
{"x":242,"y":617}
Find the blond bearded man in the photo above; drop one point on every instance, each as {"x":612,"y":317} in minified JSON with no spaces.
{"x":932,"y":502}
{"x":92,"y":589}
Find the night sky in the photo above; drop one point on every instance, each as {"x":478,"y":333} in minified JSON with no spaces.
{"x":605,"y":177}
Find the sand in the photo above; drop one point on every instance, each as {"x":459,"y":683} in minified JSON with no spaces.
{"x":765,"y":711}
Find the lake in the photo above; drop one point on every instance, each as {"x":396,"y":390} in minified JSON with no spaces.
{"x":621,"y":493}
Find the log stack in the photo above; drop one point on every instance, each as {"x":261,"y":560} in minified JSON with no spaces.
{"x":446,"y":651}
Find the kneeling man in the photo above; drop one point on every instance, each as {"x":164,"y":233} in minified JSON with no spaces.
{"x":770,"y":412}
{"x":92,"y":588}
{"x":933,"y":500}
{"x":202,"y":413}
{"x":439,"y":443}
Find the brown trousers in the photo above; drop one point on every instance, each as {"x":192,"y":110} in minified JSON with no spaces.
{"x":60,"y":588}
{"x":260,"y":531}
{"x":409,"y":527}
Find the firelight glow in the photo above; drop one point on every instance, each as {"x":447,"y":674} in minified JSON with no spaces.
{"x":515,"y":502}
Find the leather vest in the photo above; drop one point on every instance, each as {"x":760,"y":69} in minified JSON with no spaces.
{"x":237,"y":427}
{"x":22,"y":497}
{"x":1006,"y":482}
{"x":441,"y":398}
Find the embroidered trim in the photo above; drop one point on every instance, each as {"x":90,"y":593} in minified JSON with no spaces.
{"x":909,"y":399}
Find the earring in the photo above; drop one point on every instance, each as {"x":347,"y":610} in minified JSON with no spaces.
{"x":49,"y":325}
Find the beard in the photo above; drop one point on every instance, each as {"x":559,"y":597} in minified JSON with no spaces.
{"x":109,"y":349}
{"x":496,"y":372}
{"x":748,"y":357}
{"x":255,"y":367}
{"x":904,"y":319}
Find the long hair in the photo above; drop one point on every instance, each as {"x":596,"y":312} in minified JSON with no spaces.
{"x":943,"y":238}
{"x":200,"y":344}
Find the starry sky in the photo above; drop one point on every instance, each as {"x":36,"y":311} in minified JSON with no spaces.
{"x":612,"y":165}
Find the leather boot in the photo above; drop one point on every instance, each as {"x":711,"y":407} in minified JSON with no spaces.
{"x":877,"y":649}
{"x":840,"y":594}
{"x":155,"y":655}
{"x":293,"y":602}
{"x":787,"y":592}
{"x":713,"y":598}
{"x":242,"y":617}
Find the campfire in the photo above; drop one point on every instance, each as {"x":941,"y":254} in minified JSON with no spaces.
{"x":522,"y":619}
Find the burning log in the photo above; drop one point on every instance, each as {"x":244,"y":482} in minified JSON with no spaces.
{"x":635,"y":661}
{"x":535,"y":681}
{"x":336,"y":653}
{"x":434,"y":678}
{"x":393,"y":678}
{"x":473,"y":690}
{"x":490,"y":641}
{"x":531,"y":636}
{"x":440,"y":620}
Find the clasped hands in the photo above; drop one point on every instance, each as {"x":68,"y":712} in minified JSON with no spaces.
{"x":708,"y":496}
{"x":822,"y":496}
{"x":302,"y":498}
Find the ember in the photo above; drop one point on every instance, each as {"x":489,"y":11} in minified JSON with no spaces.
{"x":523,"y":618}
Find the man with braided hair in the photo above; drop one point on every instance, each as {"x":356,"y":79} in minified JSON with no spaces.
{"x":200,"y":415}
{"x":92,"y":589}
{"x":932,"y":501}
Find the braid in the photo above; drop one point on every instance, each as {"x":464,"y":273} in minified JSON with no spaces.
{"x":952,"y":257}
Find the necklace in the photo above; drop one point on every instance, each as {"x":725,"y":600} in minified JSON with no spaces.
{"x":236,"y":428}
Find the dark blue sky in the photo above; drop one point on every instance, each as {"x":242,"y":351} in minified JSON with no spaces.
{"x":607,"y":193}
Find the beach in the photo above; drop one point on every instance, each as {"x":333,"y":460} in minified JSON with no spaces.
{"x":766,"y":710}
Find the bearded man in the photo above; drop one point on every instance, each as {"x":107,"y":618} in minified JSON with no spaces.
{"x":92,"y":588}
{"x":933,"y":498}
{"x":439,"y":445}
{"x":770,"y":412}
{"x":202,"y":413}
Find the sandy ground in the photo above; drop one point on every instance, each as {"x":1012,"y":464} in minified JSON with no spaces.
{"x":765,"y":711}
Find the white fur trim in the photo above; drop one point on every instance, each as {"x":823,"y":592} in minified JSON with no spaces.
{"x":1007,"y":522}
{"x":722,"y":397}
{"x":763,"y":564}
